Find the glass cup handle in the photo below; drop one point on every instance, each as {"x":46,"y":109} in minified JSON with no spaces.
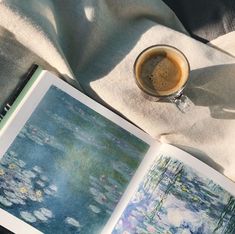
{"x":183,"y":103}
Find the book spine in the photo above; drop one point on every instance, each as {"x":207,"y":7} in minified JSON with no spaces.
{"x":4,"y":111}
{"x":7,"y":105}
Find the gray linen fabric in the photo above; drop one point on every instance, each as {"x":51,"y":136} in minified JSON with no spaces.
{"x":205,"y":20}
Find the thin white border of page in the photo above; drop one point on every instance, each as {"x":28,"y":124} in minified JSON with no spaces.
{"x":23,"y":112}
{"x":16,"y":225}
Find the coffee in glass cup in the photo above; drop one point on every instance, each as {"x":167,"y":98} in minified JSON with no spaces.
{"x":161,"y":72}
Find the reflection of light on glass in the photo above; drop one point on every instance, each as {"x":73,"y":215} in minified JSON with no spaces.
{"x":229,"y":110}
{"x":90,"y":13}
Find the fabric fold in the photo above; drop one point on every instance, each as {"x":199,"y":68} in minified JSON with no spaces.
{"x":97,"y":42}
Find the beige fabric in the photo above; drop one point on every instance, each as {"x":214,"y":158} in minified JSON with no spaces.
{"x":225,"y":43}
{"x":208,"y":130}
{"x":97,"y":42}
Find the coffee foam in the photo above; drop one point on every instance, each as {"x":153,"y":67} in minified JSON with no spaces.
{"x":161,"y":71}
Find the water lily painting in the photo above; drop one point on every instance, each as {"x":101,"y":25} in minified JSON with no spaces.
{"x":68,"y":167}
{"x":174,"y":198}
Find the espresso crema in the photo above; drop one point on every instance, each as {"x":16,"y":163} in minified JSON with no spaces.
{"x":161,"y":71}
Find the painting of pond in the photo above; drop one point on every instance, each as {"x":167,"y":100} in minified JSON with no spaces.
{"x":68,"y":167}
{"x":174,"y":198}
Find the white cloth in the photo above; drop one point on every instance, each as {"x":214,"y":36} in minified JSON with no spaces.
{"x":97,"y":41}
{"x":225,"y":43}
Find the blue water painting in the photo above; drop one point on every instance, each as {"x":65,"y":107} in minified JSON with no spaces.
{"x":68,"y":167}
{"x":173,"y":198}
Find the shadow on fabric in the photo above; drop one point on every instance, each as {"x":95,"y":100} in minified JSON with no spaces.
{"x":15,"y":60}
{"x":213,"y":87}
{"x":104,"y":33}
{"x":202,"y":157}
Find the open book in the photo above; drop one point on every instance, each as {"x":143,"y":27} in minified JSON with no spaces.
{"x":69,"y":165}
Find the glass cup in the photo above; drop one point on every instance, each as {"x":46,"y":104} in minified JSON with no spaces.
{"x":162,"y":72}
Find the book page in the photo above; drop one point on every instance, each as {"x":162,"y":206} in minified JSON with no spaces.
{"x":65,"y":161}
{"x":179,"y":194}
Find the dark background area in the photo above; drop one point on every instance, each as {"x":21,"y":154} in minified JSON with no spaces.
{"x":205,"y":20}
{"x":5,"y":231}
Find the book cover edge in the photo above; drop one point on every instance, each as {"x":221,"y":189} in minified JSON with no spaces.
{"x":22,"y":94}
